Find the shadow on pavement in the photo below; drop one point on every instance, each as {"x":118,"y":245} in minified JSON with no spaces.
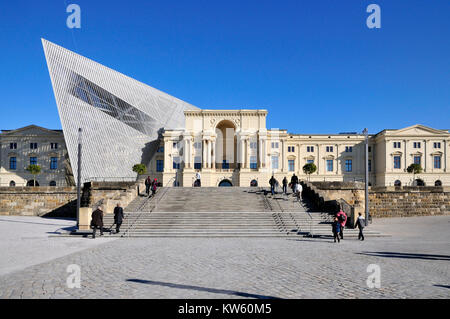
{"x":442,"y":286}
{"x":211,"y":290}
{"x":405,"y":255}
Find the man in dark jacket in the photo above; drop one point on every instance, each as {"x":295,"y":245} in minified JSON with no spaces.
{"x":336,"y":228}
{"x":97,"y":221}
{"x":361,"y":223}
{"x":294,"y":181}
{"x":118,"y":217}
{"x":285,"y":185}
{"x":148,"y":183}
{"x":272,"y":183}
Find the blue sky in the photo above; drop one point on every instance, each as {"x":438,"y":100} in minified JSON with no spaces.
{"x":314,"y":65}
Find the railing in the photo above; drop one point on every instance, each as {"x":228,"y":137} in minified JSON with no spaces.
{"x":110,"y":179}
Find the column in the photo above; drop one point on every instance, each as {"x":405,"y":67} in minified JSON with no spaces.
{"x":186,"y":152}
{"x":260,"y":153}
{"x":247,"y":153}
{"x":204,"y":153}
{"x":282,"y":155}
{"x":242,"y":155}
{"x":214,"y":154}
{"x":209,"y":153}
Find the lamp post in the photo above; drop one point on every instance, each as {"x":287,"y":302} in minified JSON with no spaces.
{"x":79,"y":178}
{"x":366,"y":172}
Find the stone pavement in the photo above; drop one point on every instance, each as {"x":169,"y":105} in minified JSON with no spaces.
{"x":414,"y":263}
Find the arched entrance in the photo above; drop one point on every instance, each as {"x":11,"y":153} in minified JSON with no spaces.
{"x":225,"y":183}
{"x":31,"y":183}
{"x":397,"y":183}
{"x":225,"y":152}
{"x":419,"y":182}
{"x":438,"y":183}
{"x":254,"y":183}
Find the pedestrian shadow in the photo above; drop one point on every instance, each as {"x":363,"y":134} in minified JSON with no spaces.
{"x":442,"y":286}
{"x":405,"y":255}
{"x":63,"y":230}
{"x":197,"y":288}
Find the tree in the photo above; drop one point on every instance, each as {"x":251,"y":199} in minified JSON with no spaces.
{"x":140,"y":169}
{"x":34,"y":170}
{"x":309,"y":169}
{"x":414,"y":169}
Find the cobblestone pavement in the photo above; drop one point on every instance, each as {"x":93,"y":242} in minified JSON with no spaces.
{"x":414,"y":263}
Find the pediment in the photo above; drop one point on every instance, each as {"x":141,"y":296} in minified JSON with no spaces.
{"x":418,"y":130}
{"x":31,"y":130}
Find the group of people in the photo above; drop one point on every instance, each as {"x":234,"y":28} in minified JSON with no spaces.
{"x":294,"y":185}
{"x":97,"y":219}
{"x":339,"y":222}
{"x":151,"y":185}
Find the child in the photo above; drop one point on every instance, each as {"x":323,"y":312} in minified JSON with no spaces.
{"x":336,"y":226}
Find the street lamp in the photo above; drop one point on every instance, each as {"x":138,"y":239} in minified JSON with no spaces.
{"x":366,"y":173}
{"x":79,"y":178}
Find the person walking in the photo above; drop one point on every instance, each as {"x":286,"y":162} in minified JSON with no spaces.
{"x":198,"y":179}
{"x":97,"y":221}
{"x":294,"y":181}
{"x":298,"y":191}
{"x":336,"y":228}
{"x":285,"y":185}
{"x":148,"y":183}
{"x":118,"y":217}
{"x":342,"y":217}
{"x":154,"y":186}
{"x":272,"y":183}
{"x":361,"y":223}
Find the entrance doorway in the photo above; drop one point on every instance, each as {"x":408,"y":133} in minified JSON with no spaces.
{"x":225,"y":183}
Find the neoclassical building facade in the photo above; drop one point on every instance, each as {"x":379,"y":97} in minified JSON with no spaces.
{"x":234,"y":148}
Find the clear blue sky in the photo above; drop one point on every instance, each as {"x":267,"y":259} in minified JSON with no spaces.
{"x":314,"y":64}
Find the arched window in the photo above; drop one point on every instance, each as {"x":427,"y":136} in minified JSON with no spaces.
{"x":12,"y":184}
{"x":254,"y":183}
{"x":52,"y":183}
{"x":419,"y":182}
{"x":438,"y":183}
{"x":31,"y":183}
{"x":397,"y":183}
{"x":225,"y":183}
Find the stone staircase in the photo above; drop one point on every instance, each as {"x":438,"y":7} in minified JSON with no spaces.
{"x":222,"y":212}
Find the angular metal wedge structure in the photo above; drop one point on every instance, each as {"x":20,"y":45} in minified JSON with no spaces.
{"x":120,"y":117}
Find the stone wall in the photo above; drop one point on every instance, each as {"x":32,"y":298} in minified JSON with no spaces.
{"x":109,"y":194}
{"x":409,"y":201}
{"x":36,"y":201}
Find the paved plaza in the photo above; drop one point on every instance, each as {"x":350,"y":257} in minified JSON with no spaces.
{"x":414,"y":263}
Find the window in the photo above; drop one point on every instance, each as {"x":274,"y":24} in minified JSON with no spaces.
{"x":160,"y":149}
{"x":160,"y":165}
{"x":176,"y":162}
{"x":33,"y":160}
{"x":397,"y":145}
{"x":416,"y":144}
{"x":291,"y":149}
{"x":33,"y":146}
{"x":291,"y":165}
{"x":225,"y":164}
{"x":175,"y":145}
{"x":13,"y":146}
{"x":198,"y":145}
{"x":370,"y":149}
{"x":397,"y":183}
{"x":438,"y":183}
{"x":253,"y":162}
{"x":52,"y":183}
{"x":253,"y":145}
{"x":437,"y":145}
{"x":310,"y":161}
{"x":397,"y":162}
{"x":275,"y":145}
{"x":12,"y":184}
{"x":348,"y":165}
{"x":54,"y":163}
{"x":12,"y":163}
{"x":417,"y":159}
{"x":310,"y":149}
{"x":437,"y":162}
{"x":369,"y":165}
{"x":275,"y":162}
{"x":329,"y":165}
{"x":54,"y":146}
{"x":349,"y":149}
{"x":198,"y":162}
{"x":329,"y":149}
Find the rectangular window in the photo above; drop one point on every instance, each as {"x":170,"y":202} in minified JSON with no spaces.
{"x":291,"y":149}
{"x":369,"y":165}
{"x":253,"y":145}
{"x":291,"y":165}
{"x":198,"y":162}
{"x":310,"y":149}
{"x":53,"y":163}
{"x":370,"y":149}
{"x":397,"y":162}
{"x":274,"y":144}
{"x":253,"y":162}
{"x":160,"y":149}
{"x":437,"y":145}
{"x":349,"y":149}
{"x":348,"y":165}
{"x":198,"y":145}
{"x":275,"y":162}
{"x":437,"y":162}
{"x":329,"y":165}
{"x":225,"y":164}
{"x":33,"y":146}
{"x":13,"y":146}
{"x":329,"y":149}
{"x":417,"y":159}
{"x":397,"y":145}
{"x":416,"y":145}
{"x":176,"y":162}
{"x":310,"y":161}
{"x":175,"y":145}
{"x":33,"y":160}
{"x":54,"y":146}
{"x":12,"y":163}
{"x":160,"y":165}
